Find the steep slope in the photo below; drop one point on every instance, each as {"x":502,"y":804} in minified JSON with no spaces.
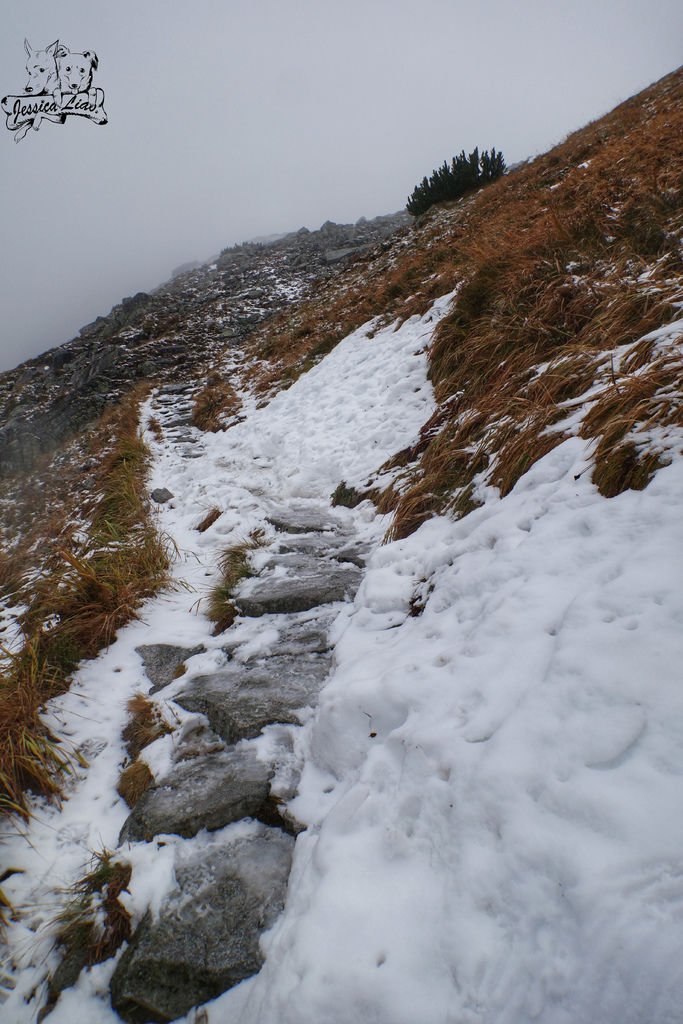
{"x":483,"y":777}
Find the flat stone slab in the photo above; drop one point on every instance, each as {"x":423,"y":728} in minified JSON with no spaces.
{"x":239,"y":701}
{"x":161,"y":661}
{"x":296,"y":636}
{"x":207,"y":792}
{"x":206,"y":938}
{"x":324,"y":545}
{"x":301,"y":519}
{"x":179,"y":421}
{"x":310,"y":584}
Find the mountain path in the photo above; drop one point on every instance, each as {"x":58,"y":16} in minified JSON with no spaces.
{"x":224,"y":898}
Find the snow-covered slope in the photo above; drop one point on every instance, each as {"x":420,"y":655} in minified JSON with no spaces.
{"x":493,"y":786}
{"x":491,"y":782}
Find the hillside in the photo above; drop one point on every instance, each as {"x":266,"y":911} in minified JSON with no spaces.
{"x":343,"y":620}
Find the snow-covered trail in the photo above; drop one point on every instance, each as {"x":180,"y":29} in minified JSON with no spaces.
{"x":491,"y":788}
{"x":296,"y":449}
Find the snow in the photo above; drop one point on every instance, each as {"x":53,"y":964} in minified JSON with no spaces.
{"x":507,"y":846}
{"x":491,"y":788}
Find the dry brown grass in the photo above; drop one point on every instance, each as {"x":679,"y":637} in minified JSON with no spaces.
{"x":94,"y":923}
{"x":547,"y":259}
{"x":550,"y":281}
{"x":89,"y":586}
{"x":215,"y":403}
{"x":209,"y":519}
{"x":155,"y":427}
{"x":133,"y":782}
{"x":234,"y":566}
{"x":145,"y":724}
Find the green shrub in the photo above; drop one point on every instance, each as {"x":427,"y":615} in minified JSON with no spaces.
{"x":450,"y":181}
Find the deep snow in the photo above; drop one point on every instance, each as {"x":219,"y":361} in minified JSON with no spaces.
{"x":491,"y":788}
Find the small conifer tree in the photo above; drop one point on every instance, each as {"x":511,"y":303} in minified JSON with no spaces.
{"x":450,"y":181}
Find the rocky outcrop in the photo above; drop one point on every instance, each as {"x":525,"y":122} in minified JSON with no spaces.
{"x":167,"y":333}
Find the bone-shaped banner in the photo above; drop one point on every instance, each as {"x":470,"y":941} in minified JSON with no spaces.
{"x":29,"y":110}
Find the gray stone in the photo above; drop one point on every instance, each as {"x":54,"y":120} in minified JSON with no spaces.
{"x":319,"y":544}
{"x":161,"y":495}
{"x":206,"y":938}
{"x":336,"y":255}
{"x":296,"y":635}
{"x":314,"y":585}
{"x":207,"y":792}
{"x":179,"y":421}
{"x":353,"y":553}
{"x":241,"y":700}
{"x":161,"y":661}
{"x":302,"y":520}
{"x":324,"y":545}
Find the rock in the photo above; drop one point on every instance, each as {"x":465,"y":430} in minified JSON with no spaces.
{"x":207,"y":792}
{"x":353,"y":553}
{"x":314,"y":584}
{"x":321,"y":545}
{"x":185,"y":268}
{"x":161,"y":661}
{"x":337,"y":255}
{"x":161,"y":495}
{"x":297,"y":635}
{"x":241,"y":700}
{"x":179,"y":421}
{"x":302,"y":520}
{"x":206,"y":938}
{"x":74,"y":957}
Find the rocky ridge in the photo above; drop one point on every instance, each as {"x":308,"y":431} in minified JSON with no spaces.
{"x":169,"y":334}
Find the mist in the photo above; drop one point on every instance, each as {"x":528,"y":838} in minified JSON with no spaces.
{"x":229,"y":120}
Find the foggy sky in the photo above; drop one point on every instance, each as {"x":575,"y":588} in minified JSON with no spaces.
{"x":235,"y":118}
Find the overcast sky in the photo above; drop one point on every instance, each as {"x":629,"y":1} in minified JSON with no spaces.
{"x":235,"y":118}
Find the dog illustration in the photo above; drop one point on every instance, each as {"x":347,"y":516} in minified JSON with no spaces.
{"x":43,"y":80}
{"x":76,"y":71}
{"x":41,"y":68}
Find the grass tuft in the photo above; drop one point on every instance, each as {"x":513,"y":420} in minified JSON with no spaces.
{"x":214,"y":404}
{"x":234,"y":566}
{"x":133,"y":782}
{"x":94,"y":923}
{"x":145,"y":724}
{"x":209,"y":519}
